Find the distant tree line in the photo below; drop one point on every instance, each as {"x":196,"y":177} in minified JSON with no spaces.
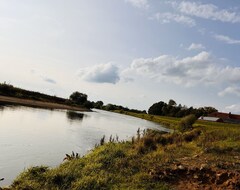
{"x":111,"y":107}
{"x":173,"y":110}
{"x":80,"y":99}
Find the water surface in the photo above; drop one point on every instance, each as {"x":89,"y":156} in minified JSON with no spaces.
{"x":30,"y":136}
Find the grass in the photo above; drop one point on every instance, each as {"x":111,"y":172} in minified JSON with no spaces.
{"x":131,"y":165}
{"x":169,"y":122}
{"x":110,"y":166}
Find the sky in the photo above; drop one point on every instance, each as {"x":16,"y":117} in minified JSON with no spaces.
{"x":127,"y":52}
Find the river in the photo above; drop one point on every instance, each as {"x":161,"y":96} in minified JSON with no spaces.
{"x":31,"y":136}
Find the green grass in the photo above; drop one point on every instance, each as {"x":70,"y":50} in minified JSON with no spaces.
{"x":111,"y":166}
{"x":127,"y":165}
{"x":169,"y":122}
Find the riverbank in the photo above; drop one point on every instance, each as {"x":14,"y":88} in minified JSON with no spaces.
{"x":207,"y":157}
{"x":39,"y":104}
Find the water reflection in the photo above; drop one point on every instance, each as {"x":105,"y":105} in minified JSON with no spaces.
{"x":2,"y":104}
{"x":74,"y":116}
{"x":1,"y":108}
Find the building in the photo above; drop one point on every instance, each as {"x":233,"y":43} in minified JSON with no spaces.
{"x":214,"y":119}
{"x":226,"y":117}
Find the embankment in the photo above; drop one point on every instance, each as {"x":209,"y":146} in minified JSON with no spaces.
{"x":39,"y":104}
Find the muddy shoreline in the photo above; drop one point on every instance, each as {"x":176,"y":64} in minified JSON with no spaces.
{"x":39,"y":104}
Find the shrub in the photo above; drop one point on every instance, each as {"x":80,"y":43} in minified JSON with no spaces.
{"x":187,"y":122}
{"x":146,"y":144}
{"x":190,"y":136}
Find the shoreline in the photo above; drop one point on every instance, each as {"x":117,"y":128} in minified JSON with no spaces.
{"x":39,"y":104}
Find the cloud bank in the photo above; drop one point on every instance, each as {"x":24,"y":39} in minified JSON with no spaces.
{"x":102,"y":73}
{"x":226,"y":39}
{"x":169,"y":17}
{"x":138,"y":3}
{"x":207,"y":11}
{"x":233,"y":108}
{"x":230,"y":90}
{"x":194,"y":46}
{"x":189,"y":71}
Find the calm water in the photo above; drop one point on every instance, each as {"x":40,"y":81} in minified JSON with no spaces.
{"x":30,"y":136}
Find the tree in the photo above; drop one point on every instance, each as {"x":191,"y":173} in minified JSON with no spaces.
{"x":157,"y":108}
{"x":209,"y":110}
{"x":110,"y":107}
{"x":88,"y":104}
{"x":78,"y":98}
{"x":98,"y":104}
{"x":172,"y":103}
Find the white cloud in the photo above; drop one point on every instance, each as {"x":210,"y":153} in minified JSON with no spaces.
{"x":49,"y":80}
{"x":138,"y":3}
{"x":207,"y":11}
{"x":169,"y":17}
{"x":102,"y":73}
{"x":230,"y":90}
{"x":189,"y":71}
{"x":194,"y":46}
{"x":233,"y":108}
{"x":226,"y":39}
{"x":127,"y":79}
{"x":43,"y":77}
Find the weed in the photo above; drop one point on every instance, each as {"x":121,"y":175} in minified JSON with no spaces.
{"x":72,"y":156}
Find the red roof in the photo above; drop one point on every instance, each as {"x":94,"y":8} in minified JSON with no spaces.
{"x":225,"y":115}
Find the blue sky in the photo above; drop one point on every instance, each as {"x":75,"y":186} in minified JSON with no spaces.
{"x":128,"y":52}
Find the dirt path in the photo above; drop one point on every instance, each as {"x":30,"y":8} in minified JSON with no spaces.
{"x":40,"y":104}
{"x":199,"y":174}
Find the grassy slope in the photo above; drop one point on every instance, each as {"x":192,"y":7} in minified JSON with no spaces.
{"x":128,"y":165}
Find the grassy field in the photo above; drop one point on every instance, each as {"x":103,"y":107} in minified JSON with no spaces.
{"x":151,"y":160}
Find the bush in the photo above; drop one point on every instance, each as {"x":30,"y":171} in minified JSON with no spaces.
{"x":187,"y":122}
{"x":190,"y":136}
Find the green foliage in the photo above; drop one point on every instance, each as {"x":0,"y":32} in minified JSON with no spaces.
{"x":78,"y":98}
{"x":169,"y":122}
{"x":172,"y":103}
{"x":157,"y":108}
{"x":109,"y":107}
{"x":31,"y":178}
{"x":72,"y":156}
{"x":113,"y":107}
{"x":187,"y":122}
{"x":173,"y":110}
{"x":146,"y":144}
{"x":88,"y":104}
{"x":98,"y":104}
{"x":102,"y":140}
{"x":95,"y":182}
